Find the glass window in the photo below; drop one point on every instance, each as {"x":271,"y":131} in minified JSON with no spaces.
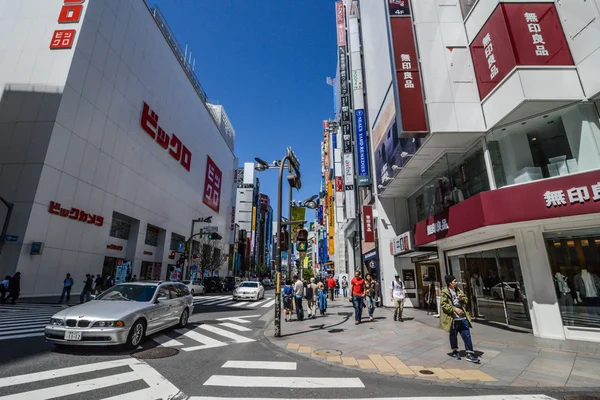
{"x":142,"y":293}
{"x":575,"y":264}
{"x":249,"y":284}
{"x":466,"y":6}
{"x":558,"y":143}
{"x":119,"y":228}
{"x":452,"y":179}
{"x":163,"y":293}
{"x":151,"y":236}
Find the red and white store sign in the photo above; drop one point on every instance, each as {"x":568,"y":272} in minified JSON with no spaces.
{"x":549,"y":198}
{"x":70,"y":13}
{"x":176,"y":148}
{"x":75,"y":214}
{"x":369,"y":234}
{"x":340,"y":21}
{"x":339,"y":184}
{"x":212,"y":185}
{"x":528,"y":34}
{"x":401,"y":244}
{"x":412,"y":104}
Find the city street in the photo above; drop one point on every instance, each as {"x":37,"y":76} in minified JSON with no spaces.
{"x":223,"y":353}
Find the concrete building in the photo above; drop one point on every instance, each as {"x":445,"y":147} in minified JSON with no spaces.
{"x":110,"y":146}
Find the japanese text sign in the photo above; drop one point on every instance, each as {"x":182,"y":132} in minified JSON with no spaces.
{"x":172,"y":143}
{"x":517,"y":34}
{"x":340,"y":21}
{"x":212,"y":185}
{"x":75,"y":214}
{"x":369,"y":228}
{"x":70,"y":13}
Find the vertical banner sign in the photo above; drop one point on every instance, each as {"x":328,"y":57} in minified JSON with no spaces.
{"x":340,"y":20}
{"x":298,"y":214}
{"x":348,"y":166}
{"x":347,"y":139}
{"x":408,"y":73}
{"x":330,"y":217}
{"x":212,"y":185}
{"x":325,"y":149}
{"x":361,"y":148}
{"x":369,"y":229}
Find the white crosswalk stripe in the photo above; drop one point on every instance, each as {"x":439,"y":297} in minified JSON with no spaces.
{"x":226,"y":301}
{"x":211,"y":337}
{"x":25,"y":320}
{"x":492,"y":397}
{"x":158,"y":386}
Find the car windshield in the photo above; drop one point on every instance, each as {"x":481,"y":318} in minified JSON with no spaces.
{"x":185,"y":282}
{"x":249,"y":284}
{"x":140,"y":293}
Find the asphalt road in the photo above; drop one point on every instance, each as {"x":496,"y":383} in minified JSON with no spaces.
{"x":222,"y":354}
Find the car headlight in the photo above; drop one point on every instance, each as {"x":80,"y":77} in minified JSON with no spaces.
{"x":57,"y":322}
{"x":108,"y":324}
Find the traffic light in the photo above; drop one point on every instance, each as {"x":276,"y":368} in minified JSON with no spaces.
{"x":302,"y":240}
{"x":172,"y":255}
{"x":283,"y":240}
{"x":214,"y":236}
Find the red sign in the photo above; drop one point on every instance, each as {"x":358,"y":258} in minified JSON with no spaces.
{"x":369,"y":232}
{"x":412,"y":104}
{"x":340,"y":21}
{"x":339,"y":184}
{"x":176,"y":148}
{"x":517,"y":34}
{"x":75,"y":214}
{"x":114,"y":247}
{"x":148,"y":253}
{"x":70,"y":13}
{"x":212,"y":185}
{"x":549,"y":198}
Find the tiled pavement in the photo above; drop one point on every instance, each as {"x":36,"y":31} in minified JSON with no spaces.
{"x":508,"y":358}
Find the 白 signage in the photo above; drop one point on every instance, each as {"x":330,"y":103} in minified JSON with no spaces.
{"x":369,"y":228}
{"x":212,"y":185}
{"x":361,"y":148}
{"x":518,"y":34}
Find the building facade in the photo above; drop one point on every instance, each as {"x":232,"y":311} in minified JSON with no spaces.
{"x":484,"y":133}
{"x":112,"y":147}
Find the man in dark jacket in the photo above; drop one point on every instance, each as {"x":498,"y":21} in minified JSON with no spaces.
{"x":67,"y":286}
{"x":87,"y":289}
{"x":14,"y":288}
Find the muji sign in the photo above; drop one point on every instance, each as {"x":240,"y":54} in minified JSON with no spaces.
{"x":70,"y":13}
{"x":212,"y":185}
{"x":176,"y":148}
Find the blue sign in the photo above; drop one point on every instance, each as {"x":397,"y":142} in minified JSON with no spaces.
{"x":334,"y":140}
{"x":362,"y":149}
{"x":180,"y":247}
{"x":11,"y":238}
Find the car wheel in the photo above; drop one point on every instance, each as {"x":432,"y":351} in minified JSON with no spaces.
{"x":136,"y":334}
{"x":192,"y":292}
{"x":183,"y":320}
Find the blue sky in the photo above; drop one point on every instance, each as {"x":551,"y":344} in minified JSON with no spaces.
{"x":266,"y":63}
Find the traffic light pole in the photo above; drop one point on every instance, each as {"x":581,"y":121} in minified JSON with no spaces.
{"x":278,"y":274}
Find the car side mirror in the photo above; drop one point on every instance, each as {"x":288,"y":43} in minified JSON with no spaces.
{"x":156,"y":301}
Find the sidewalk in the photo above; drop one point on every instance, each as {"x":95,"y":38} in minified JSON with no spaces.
{"x":418,"y":349}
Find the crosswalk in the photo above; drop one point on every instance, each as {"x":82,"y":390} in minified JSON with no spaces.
{"x":207,"y":336}
{"x":484,"y":397}
{"x":127,"y":374}
{"x":226,"y":301}
{"x":25,"y":320}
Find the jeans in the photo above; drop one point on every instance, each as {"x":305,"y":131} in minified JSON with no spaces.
{"x":345,"y":291}
{"x":66,"y":290}
{"x":398,"y":307}
{"x":370,"y":300}
{"x":299,"y":310}
{"x":357,"y":302}
{"x":462,"y":327}
{"x":84,"y":297}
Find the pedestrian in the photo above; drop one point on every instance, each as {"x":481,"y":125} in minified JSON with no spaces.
{"x":337,"y":288}
{"x":345,"y":286}
{"x":370,"y":295}
{"x":99,"y":283}
{"x":311,"y":298}
{"x":299,"y":294}
{"x":14,"y":288}
{"x":84,"y":297}
{"x":4,"y":288}
{"x":398,"y":295}
{"x":358,"y":293}
{"x":455,"y":318}
{"x":321,"y":297}
{"x":67,"y":286}
{"x":331,"y":286}
{"x":288,"y":294}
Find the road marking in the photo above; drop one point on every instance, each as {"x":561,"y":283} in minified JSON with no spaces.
{"x":237,"y":338}
{"x":27,"y":335}
{"x":276,"y":365}
{"x":5,"y":327}
{"x":239,"y":328}
{"x":227,"y":303}
{"x":240,"y":304}
{"x":28,"y":330}
{"x":166,"y":341}
{"x":241,"y":319}
{"x":41,"y":318}
{"x":208,"y":343}
{"x":269,"y":304}
{"x":280,"y":381}
{"x":492,"y":397}
{"x":259,"y":302}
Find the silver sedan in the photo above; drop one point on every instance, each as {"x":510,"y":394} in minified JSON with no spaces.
{"x":122,"y":315}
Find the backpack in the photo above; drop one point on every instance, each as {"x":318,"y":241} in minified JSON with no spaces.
{"x":309,"y":293}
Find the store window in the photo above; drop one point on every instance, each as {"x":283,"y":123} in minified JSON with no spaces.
{"x":575,"y":264}
{"x":453,"y":178}
{"x":151,"y":236}
{"x":466,"y":6}
{"x":555,"y":144}
{"x":120,"y":228}
{"x":493,"y":281}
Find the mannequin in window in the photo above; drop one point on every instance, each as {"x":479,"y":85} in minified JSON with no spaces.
{"x":477,"y":292}
{"x":562,"y":285}
{"x":587,"y":286}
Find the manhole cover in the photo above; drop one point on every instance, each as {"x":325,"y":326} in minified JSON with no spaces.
{"x":325,"y":353}
{"x":581,"y":397}
{"x":426,"y":372}
{"x":157,"y":352}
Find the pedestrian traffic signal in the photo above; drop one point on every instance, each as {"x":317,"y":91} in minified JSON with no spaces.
{"x":283,"y":240}
{"x":302,"y":240}
{"x":172,"y":255}
{"x":214,"y":236}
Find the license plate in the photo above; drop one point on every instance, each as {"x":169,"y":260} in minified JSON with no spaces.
{"x":70,"y":335}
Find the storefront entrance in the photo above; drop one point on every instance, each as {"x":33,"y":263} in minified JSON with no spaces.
{"x":150,"y":271}
{"x":493,"y":281}
{"x":428,"y":274}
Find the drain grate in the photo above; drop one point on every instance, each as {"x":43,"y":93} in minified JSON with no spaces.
{"x":426,"y":372}
{"x":157,"y":352}
{"x":325,"y":353}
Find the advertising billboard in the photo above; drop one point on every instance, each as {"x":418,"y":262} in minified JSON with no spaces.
{"x":362,"y":150}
